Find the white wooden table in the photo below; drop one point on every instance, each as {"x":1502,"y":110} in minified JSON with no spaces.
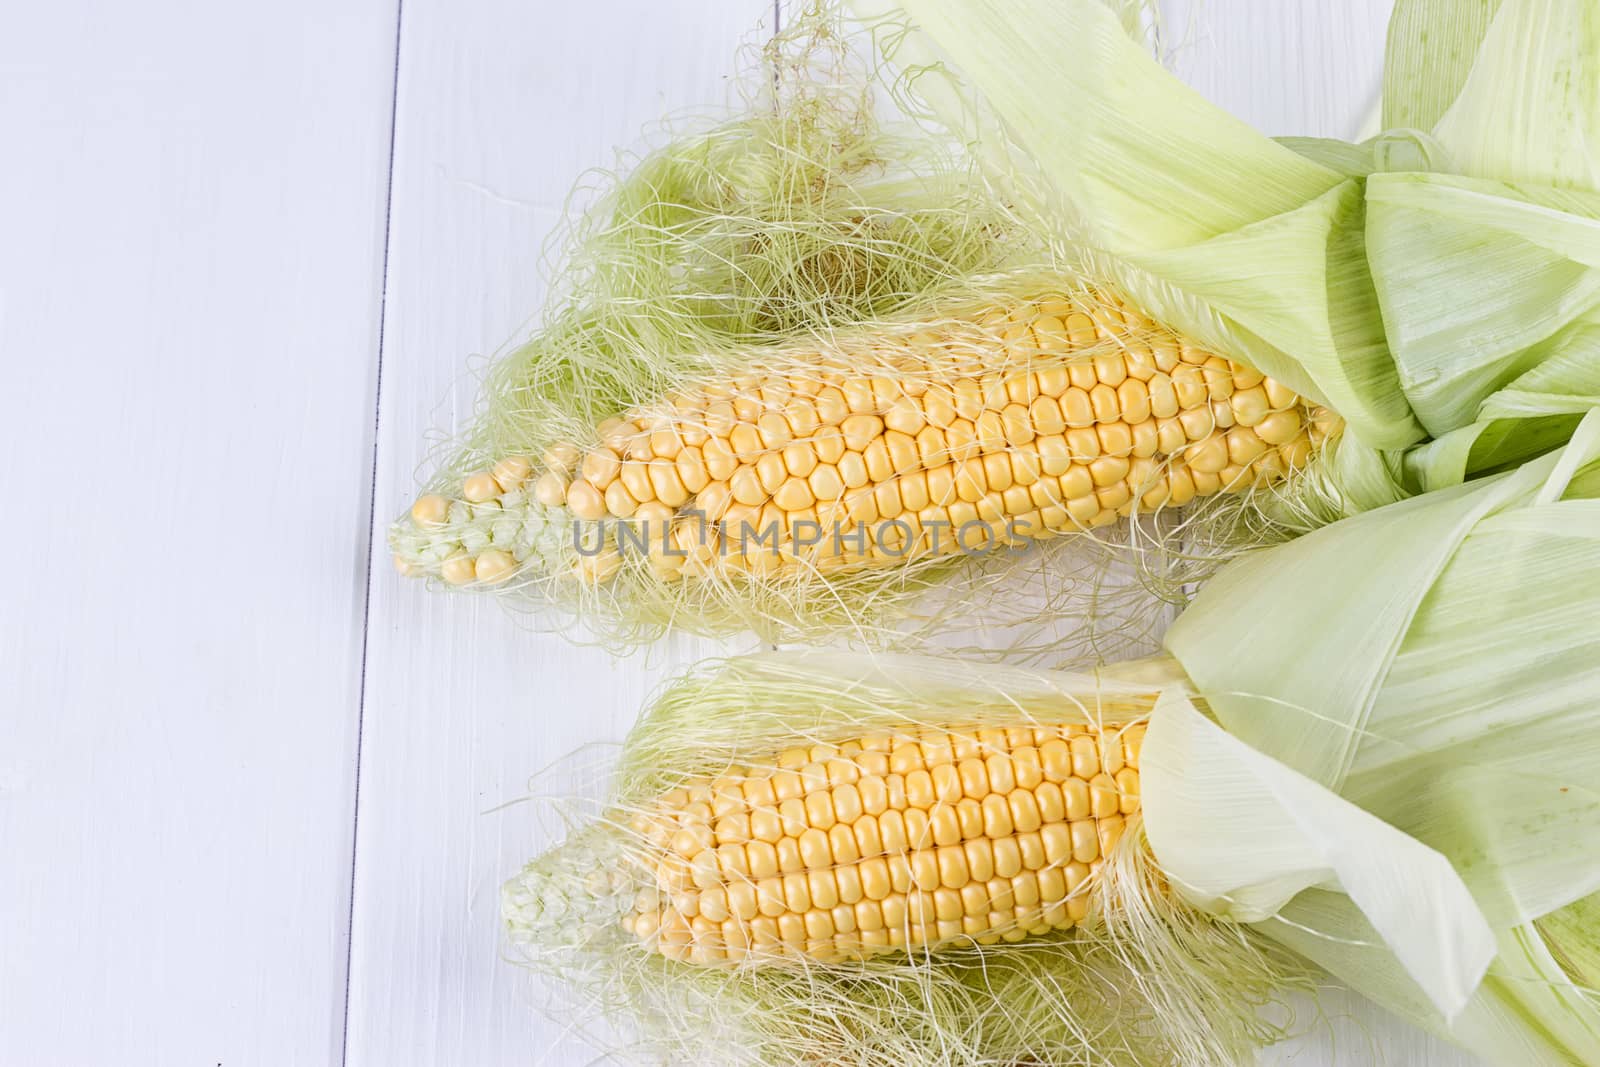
{"x":246,"y":774}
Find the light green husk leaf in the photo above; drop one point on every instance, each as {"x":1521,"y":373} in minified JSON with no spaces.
{"x":1529,"y":255}
{"x":1485,"y":258}
{"x":1241,"y":834}
{"x":1528,"y":1012}
{"x":1411,"y":608}
{"x":1150,"y":983}
{"x":1420,"y":660}
{"x":1530,"y":106}
{"x":1430,"y":51}
{"x":1573,"y":934}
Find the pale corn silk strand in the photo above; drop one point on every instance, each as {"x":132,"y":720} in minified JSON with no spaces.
{"x":805,"y":368}
{"x":1137,"y":980}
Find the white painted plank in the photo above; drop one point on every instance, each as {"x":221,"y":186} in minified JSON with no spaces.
{"x":1289,"y":67}
{"x":501,"y":105}
{"x":1304,"y":68}
{"x":193,"y":203}
{"x":1342,"y":1029}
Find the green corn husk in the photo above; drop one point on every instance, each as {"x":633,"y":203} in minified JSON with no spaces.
{"x":1375,"y":748}
{"x":1436,"y":285}
{"x":1450,"y":646}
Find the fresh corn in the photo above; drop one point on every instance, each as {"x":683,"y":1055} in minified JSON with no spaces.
{"x":1049,"y":415}
{"x":892,"y":841}
{"x":814,"y":858}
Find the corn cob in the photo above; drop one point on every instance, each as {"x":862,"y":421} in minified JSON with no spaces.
{"x":812,"y":859}
{"x":891,"y":841}
{"x":1046,"y":416}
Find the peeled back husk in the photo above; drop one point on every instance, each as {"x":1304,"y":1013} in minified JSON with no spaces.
{"x":1436,"y":286}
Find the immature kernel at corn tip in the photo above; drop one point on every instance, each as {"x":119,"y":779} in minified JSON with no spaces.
{"x":1054,"y":414}
{"x":494,"y":565}
{"x":890,"y":841}
{"x":430,"y":510}
{"x":458,"y":569}
{"x":480,"y":487}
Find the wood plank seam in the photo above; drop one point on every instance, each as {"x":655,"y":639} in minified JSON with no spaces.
{"x":372,"y":534}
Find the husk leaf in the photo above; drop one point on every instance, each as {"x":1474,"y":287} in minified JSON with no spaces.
{"x":1427,"y":631}
{"x":1420,"y":659}
{"x":1241,"y":834}
{"x":1431,"y":46}
{"x":1244,"y":243}
{"x":1502,"y":211}
{"x":1526,"y":1013}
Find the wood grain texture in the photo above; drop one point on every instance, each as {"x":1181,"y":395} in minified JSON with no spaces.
{"x":1341,"y":1029}
{"x":1289,"y":67}
{"x":501,"y":105}
{"x":192,"y":203}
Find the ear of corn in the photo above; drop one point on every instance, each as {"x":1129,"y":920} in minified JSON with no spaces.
{"x":879,"y":450}
{"x":921,"y":865}
{"x":790,"y":385}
